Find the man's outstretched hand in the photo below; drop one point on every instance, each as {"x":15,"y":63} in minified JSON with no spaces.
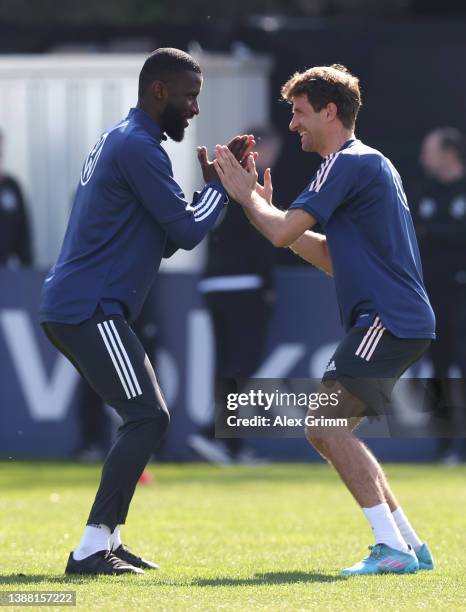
{"x":238,"y":181}
{"x":266,"y":190}
{"x":240,"y":147}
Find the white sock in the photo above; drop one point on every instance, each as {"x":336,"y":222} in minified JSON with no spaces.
{"x":408,"y":533}
{"x":95,"y":538}
{"x":115,"y":538}
{"x":384,"y":527}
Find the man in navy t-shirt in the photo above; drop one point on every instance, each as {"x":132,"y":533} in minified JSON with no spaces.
{"x":370,"y":249}
{"x":128,"y":213}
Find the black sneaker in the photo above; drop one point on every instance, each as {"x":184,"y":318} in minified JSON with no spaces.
{"x":127,"y":556}
{"x":101,"y":562}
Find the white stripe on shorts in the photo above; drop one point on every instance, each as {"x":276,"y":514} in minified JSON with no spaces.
{"x":370,"y":341}
{"x":369,"y":333}
{"x":375,"y":343}
{"x":374,"y":336}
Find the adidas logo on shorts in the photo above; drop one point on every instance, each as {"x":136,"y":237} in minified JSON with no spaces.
{"x":331,"y":366}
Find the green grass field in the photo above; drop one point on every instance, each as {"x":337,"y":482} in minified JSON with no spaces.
{"x":263,"y":538}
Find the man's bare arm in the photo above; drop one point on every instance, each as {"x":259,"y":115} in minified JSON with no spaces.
{"x":282,"y":228}
{"x":313,"y":248}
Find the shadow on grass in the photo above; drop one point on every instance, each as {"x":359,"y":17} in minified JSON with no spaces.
{"x":269,"y":578}
{"x":19,"y":579}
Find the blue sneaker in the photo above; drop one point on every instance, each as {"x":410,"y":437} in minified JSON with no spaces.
{"x":424,"y":557}
{"x":385,"y":560}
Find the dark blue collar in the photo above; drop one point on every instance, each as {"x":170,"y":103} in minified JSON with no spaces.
{"x":344,"y":146}
{"x":347,"y":143}
{"x":147,"y":123}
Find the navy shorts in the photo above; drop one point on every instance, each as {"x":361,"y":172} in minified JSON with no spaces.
{"x":369,"y":361}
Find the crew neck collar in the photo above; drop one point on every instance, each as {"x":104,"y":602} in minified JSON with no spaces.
{"x":147,"y":123}
{"x":343,"y":146}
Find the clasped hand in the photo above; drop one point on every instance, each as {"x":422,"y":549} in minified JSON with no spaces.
{"x":241,"y":180}
{"x":240,"y":147}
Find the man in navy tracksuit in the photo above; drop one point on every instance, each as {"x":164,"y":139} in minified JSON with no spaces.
{"x":128,"y":213}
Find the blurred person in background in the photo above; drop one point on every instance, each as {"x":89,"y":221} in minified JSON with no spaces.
{"x":15,"y":236}
{"x":238,"y":290}
{"x":439,"y":210}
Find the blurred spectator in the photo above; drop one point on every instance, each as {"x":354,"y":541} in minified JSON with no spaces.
{"x":15,"y":240}
{"x":238,"y":289}
{"x":439,"y":211}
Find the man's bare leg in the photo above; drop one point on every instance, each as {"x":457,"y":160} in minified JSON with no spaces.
{"x":359,"y":470}
{"x":363,"y":475}
{"x":357,"y":467}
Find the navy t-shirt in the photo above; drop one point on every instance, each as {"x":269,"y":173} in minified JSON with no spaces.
{"x":128,"y":213}
{"x":358,"y":199}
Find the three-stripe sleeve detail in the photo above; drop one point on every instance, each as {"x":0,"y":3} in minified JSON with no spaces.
{"x":371,"y":339}
{"x":323,"y":172}
{"x":120,"y":358}
{"x":206,"y":205}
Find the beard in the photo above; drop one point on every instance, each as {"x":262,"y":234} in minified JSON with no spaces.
{"x":173,"y":123}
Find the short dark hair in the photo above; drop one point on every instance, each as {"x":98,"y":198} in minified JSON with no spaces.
{"x":452,"y":139}
{"x":325,"y":84}
{"x":162,"y":64}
